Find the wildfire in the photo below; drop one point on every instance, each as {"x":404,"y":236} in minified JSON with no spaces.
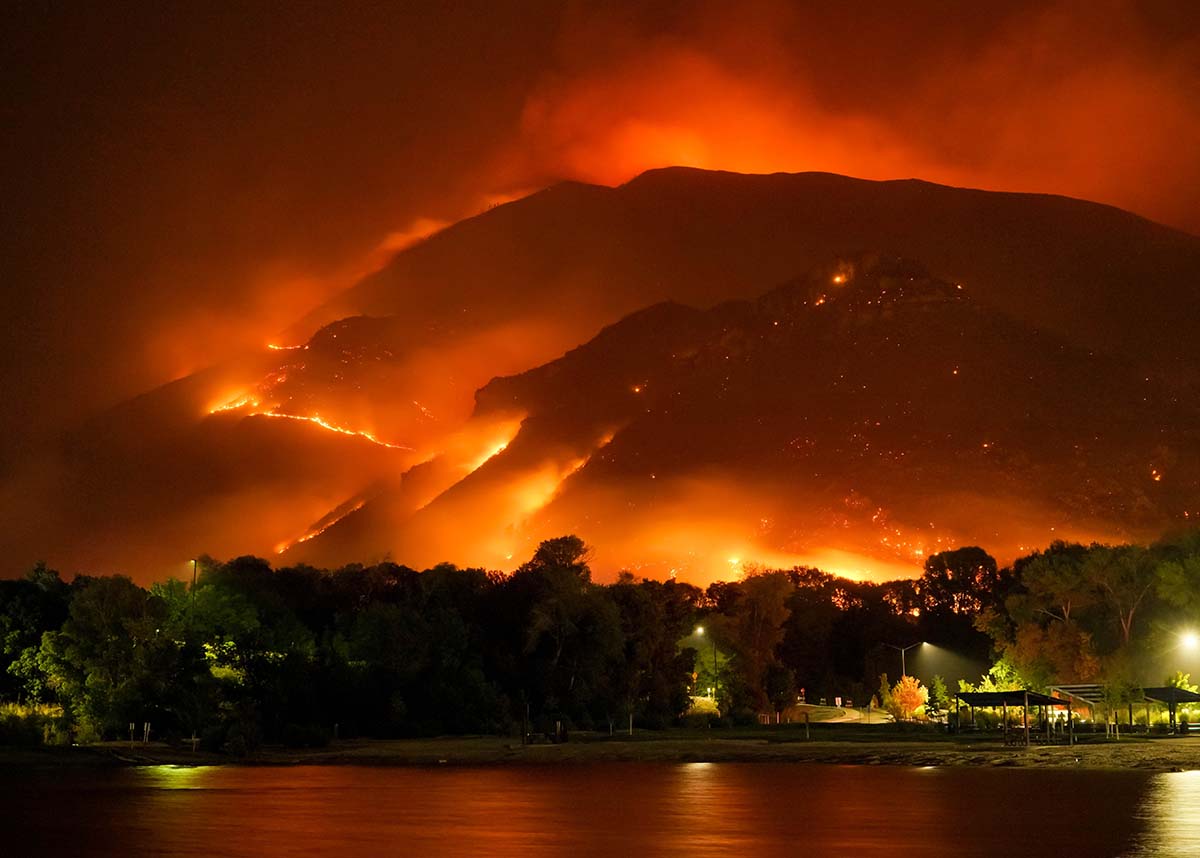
{"x":321,"y":526}
{"x":236,"y":403}
{"x":317,"y":420}
{"x":249,"y":400}
{"x":489,"y":454}
{"x":275,"y":347}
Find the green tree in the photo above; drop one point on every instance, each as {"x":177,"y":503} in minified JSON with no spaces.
{"x":113,"y":662}
{"x":939,"y":697}
{"x":1125,"y":576}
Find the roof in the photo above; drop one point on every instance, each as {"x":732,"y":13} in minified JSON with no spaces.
{"x":1089,"y":693}
{"x":1009,"y":698}
{"x":1170,"y":694}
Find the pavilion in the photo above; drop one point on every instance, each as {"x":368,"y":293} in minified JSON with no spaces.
{"x":1023,"y":698}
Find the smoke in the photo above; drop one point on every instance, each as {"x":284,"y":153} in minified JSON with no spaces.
{"x":170,"y":214}
{"x":1100,"y":101}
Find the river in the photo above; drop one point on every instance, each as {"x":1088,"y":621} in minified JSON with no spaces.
{"x":612,"y":809}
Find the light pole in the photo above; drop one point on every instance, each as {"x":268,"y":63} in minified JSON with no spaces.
{"x":716,"y":681}
{"x":902,"y":650}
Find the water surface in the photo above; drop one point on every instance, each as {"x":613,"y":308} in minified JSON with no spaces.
{"x":612,"y":809}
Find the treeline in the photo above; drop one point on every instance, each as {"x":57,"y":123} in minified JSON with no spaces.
{"x":1123,"y":616}
{"x":252,"y":655}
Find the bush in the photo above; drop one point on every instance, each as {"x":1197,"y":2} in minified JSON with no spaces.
{"x":31,"y":726}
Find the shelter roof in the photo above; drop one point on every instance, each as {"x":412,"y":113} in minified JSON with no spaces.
{"x":1009,"y":698}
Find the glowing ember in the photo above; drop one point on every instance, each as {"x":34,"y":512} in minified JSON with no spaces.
{"x":278,"y":348}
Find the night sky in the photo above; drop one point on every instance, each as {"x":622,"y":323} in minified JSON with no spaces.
{"x":182,"y":183}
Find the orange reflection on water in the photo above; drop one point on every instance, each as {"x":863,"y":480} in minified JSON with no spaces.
{"x":611,"y":809}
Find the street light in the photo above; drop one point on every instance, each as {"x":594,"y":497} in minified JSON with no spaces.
{"x":716,"y":682}
{"x":1189,"y":640}
{"x":902,"y":650}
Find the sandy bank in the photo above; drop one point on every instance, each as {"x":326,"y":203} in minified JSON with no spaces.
{"x":1150,"y":755}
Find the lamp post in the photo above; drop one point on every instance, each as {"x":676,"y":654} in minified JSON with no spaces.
{"x":902,"y":650}
{"x":716,"y":680}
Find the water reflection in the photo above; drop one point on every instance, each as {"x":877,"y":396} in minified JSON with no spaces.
{"x":1171,"y":813}
{"x":609,"y":809}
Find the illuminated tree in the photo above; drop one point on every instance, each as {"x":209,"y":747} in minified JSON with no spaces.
{"x":907,"y":696}
{"x":939,"y":698}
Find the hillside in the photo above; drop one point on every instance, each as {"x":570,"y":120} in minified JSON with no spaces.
{"x":383,"y":378}
{"x":858,"y":417}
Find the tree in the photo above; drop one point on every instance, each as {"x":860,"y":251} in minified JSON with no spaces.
{"x":113,"y":662}
{"x":907,"y":696}
{"x":755,"y":630}
{"x":1125,"y":576}
{"x":571,"y":630}
{"x":885,"y":693}
{"x":961,"y":581}
{"x":780,"y":687}
{"x":939,"y":698}
{"x":653,"y":675}
{"x":29,"y":607}
{"x":1057,"y":582}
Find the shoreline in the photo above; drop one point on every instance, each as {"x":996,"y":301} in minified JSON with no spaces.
{"x":1149,"y":755}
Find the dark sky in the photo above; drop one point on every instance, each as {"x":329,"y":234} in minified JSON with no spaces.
{"x":183,"y":180}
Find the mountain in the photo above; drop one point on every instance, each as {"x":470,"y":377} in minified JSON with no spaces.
{"x":376,"y":389}
{"x":1102,"y":277}
{"x":858,"y":417}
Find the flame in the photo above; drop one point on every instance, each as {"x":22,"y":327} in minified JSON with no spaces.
{"x":278,"y":348}
{"x":317,"y":420}
{"x":249,"y":400}
{"x":320,"y":527}
{"x":239,"y":401}
{"x":490,"y":453}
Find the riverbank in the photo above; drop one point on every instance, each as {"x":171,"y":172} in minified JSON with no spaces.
{"x":1157,"y":755}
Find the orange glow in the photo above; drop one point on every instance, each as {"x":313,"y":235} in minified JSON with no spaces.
{"x":489,"y":454}
{"x":320,"y":528}
{"x":316,"y":420}
{"x":238,"y":402}
{"x":249,"y":400}
{"x":481,"y":441}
